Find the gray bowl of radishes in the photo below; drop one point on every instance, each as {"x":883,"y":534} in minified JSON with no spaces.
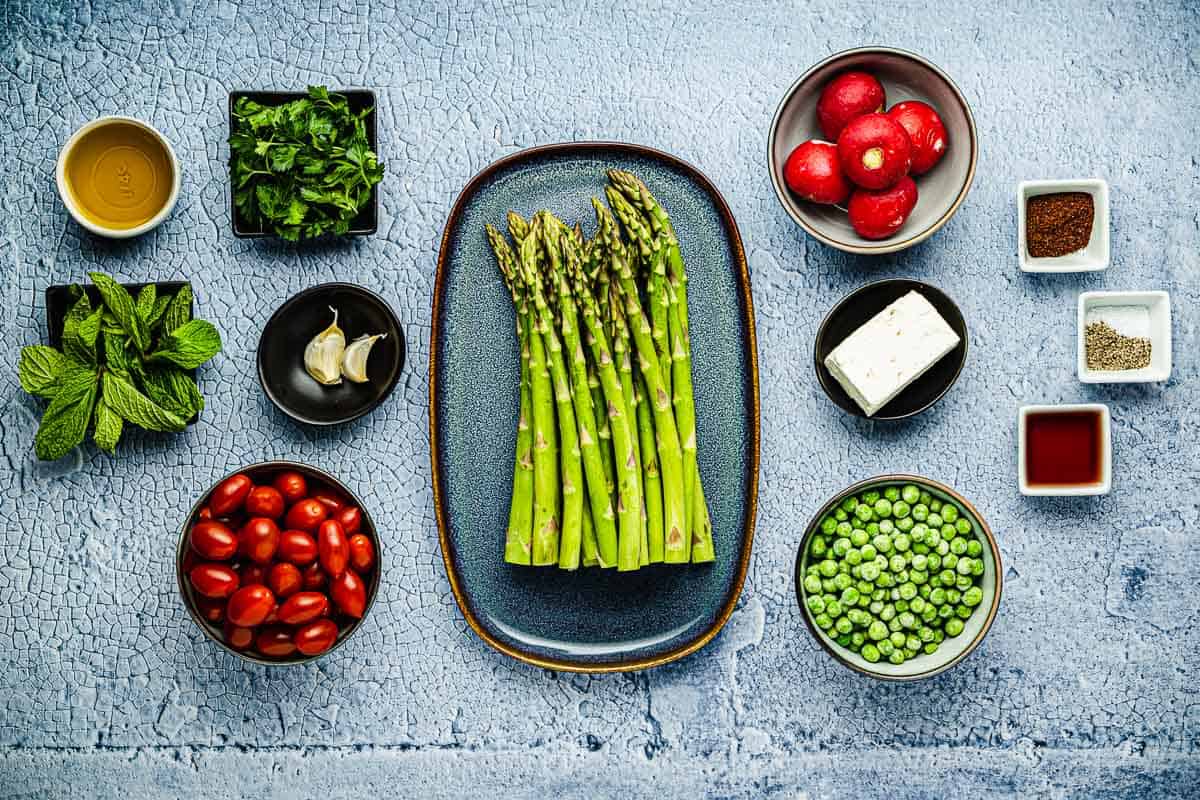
{"x":872,"y":150}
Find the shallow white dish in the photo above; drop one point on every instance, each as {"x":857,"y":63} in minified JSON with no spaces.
{"x":1092,"y":258}
{"x":1159,"y":306}
{"x":1105,"y":483}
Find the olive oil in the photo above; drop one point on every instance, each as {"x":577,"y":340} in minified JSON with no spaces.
{"x":119,"y":175}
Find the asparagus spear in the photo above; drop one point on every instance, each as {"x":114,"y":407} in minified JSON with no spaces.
{"x":517,"y":543}
{"x":685,"y":406}
{"x":651,"y":480}
{"x":702,"y":540}
{"x":621,"y":346}
{"x":600,"y":503}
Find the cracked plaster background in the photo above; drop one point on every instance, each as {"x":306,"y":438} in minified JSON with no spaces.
{"x":1087,"y":684}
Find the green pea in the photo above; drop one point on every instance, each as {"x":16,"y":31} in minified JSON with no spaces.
{"x":920,"y":512}
{"x":883,"y":507}
{"x":912,"y":643}
{"x":949,"y":562}
{"x":857,"y":524}
{"x":819,"y":547}
{"x":850,"y":596}
{"x":946,"y":611}
{"x":897,"y":639}
{"x":856,"y":640}
{"x":868,"y":551}
{"x":897,"y":657}
{"x":816,"y":605}
{"x":888,"y":613}
{"x":840,"y":515}
{"x":886,"y":580}
{"x":948,"y":531}
{"x":863,"y":600}
{"x":935,"y":504}
{"x":876,"y":631}
{"x":904,"y":524}
{"x":812,"y":584}
{"x":901,"y":509}
{"x":894,"y":625}
{"x":963,"y":525}
{"x":963,"y":582}
{"x":908,"y":590}
{"x":853,"y":557}
{"x":939,"y":636}
{"x":841,"y":546}
{"x":843,"y":568}
{"x":907,"y":620}
{"x":953,"y":596}
{"x":925,"y":634}
{"x":872,"y":529}
{"x":829,"y":568}
{"x":977,"y":567}
{"x":887,"y":526}
{"x":828,"y":526}
{"x":919,"y":531}
{"x":833,"y":608}
{"x":963,"y":567}
{"x":949,"y":512}
{"x":934,"y":520}
{"x":882,"y":543}
{"x":920,"y":561}
{"x":870,"y":497}
{"x":963,"y":611}
{"x":923,"y":589}
{"x":933,"y":562}
{"x":934,"y":539}
{"x":930,"y":648}
{"x":916,"y":605}
{"x":859,"y":537}
{"x":843,"y":625}
{"x":875,"y":607}
{"x":885,"y":647}
{"x":870,"y":653}
{"x":954,"y":627}
{"x":896,"y":563}
{"x":828,"y":586}
{"x":844,"y":528}
{"x":865,"y":588}
{"x":910,"y":493}
{"x":849,"y":503}
{"x":974,"y":548}
{"x":842,"y":580}
{"x":943,"y":548}
{"x":892,"y":493}
{"x":901,"y":606}
{"x":824,"y":621}
{"x":863,"y":512}
{"x":843,"y":640}
{"x":879,"y":595}
{"x":973,"y":596}
{"x":930,"y":613}
{"x":938,"y":596}
{"x":901,"y":542}
{"x":869,"y":571}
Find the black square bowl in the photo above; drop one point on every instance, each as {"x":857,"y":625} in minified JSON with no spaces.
{"x":59,"y":302}
{"x":367,"y":222}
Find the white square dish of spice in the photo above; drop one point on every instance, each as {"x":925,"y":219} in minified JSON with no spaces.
{"x":1062,"y":226}
{"x":1124,"y":337}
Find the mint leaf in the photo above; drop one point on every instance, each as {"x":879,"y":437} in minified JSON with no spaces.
{"x":189,"y":345}
{"x":107,"y":428}
{"x":89,"y":330}
{"x":156,"y":314}
{"x":173,"y":389}
{"x":121,"y":304}
{"x":66,"y":420}
{"x":39,"y":369}
{"x":73,"y":345}
{"x":145,"y":301}
{"x":116,"y":353}
{"x":125,"y":399}
{"x":180,"y":309}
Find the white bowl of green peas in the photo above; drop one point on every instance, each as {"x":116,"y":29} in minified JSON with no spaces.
{"x":898,"y":577}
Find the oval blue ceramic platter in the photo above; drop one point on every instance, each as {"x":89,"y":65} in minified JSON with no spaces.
{"x":591,"y":620}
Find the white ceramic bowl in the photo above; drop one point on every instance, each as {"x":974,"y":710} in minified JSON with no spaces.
{"x":1105,"y":483}
{"x":1159,"y":306}
{"x":64,"y":192}
{"x":1092,"y":258}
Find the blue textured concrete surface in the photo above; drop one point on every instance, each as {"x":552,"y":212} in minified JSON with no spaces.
{"x":1087,"y":684}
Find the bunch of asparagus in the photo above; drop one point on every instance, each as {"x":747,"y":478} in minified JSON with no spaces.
{"x":605,"y":470}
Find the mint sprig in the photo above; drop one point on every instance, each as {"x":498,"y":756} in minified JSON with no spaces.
{"x":128,"y":360}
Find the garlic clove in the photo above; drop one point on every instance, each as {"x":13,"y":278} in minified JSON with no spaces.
{"x":323,"y":355}
{"x":354,"y":359}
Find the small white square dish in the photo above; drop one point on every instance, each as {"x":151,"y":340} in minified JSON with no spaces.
{"x":1064,"y":450}
{"x":1091,"y":258}
{"x":1129,"y":319}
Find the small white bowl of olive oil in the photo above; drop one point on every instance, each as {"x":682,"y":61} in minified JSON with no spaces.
{"x":118,"y":177}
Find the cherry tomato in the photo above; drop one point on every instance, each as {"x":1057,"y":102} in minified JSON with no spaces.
{"x":314,"y":577}
{"x":274,"y":641}
{"x":362,"y":553}
{"x":303,"y":607}
{"x":349,"y":593}
{"x":264,"y":501}
{"x":213,"y":540}
{"x":229,"y":495}
{"x":284,"y":579}
{"x":205,"y":513}
{"x":291,"y":485}
{"x":211,"y":609}
{"x":237,"y":637}
{"x":258,"y":539}
{"x":214,"y":580}
{"x":306,"y":515}
{"x":332,"y":500}
{"x":250,"y":605}
{"x":252,"y":573}
{"x":333,"y":548}
{"x":272,"y":617}
{"x":351,"y":519}
{"x":297,"y":547}
{"x":316,"y":637}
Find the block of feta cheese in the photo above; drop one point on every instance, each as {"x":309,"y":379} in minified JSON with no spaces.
{"x":890,"y":351}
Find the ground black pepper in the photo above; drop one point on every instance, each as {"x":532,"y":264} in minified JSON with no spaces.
{"x":1058,"y":224}
{"x":1106,"y":349}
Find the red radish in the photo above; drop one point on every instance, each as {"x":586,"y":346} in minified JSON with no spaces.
{"x":847,"y":96}
{"x":925,"y":131}
{"x":875,"y":151}
{"x":814,"y":172}
{"x":877,"y":215}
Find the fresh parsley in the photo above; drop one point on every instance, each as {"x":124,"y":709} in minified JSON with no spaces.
{"x":125,"y":361}
{"x":304,"y":168}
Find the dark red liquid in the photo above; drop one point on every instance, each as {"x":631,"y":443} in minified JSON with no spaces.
{"x":1063,"y":448}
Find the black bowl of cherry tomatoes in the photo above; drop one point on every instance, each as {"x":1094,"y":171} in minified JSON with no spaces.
{"x":279,"y":563}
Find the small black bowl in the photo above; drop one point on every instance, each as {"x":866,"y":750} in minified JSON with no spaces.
{"x":281,"y":353}
{"x":263,"y":474}
{"x":59,"y":299}
{"x":367,"y":221}
{"x":854,"y":310}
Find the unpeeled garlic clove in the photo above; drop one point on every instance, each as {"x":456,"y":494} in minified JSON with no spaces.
{"x":354,"y":359}
{"x":323,"y":355}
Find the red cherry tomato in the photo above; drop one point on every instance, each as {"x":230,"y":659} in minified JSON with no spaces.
{"x":205,"y":513}
{"x":214,"y":580}
{"x":332,"y":500}
{"x":316,"y":637}
{"x":264,"y":501}
{"x":211,"y":609}
{"x":314,"y":577}
{"x":237,"y":637}
{"x":306,"y":515}
{"x":250,"y":605}
{"x":351,"y":519}
{"x":274,"y":641}
{"x":213,"y":540}
{"x":333,"y":548}
{"x":258,"y":539}
{"x":297,"y":547}
{"x":252,"y":573}
{"x":291,"y":485}
{"x":229,"y":495}
{"x":303,"y":607}
{"x":362,"y":553}
{"x":349,"y":593}
{"x":284,"y":579}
